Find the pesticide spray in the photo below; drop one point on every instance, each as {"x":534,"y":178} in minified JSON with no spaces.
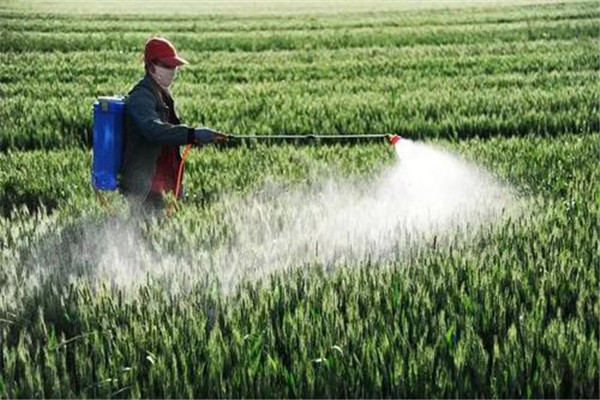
{"x":428,"y":194}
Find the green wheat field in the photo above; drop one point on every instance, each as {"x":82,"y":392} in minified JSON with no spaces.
{"x":512,"y":311}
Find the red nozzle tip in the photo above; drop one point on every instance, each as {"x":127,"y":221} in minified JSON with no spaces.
{"x":394,"y":139}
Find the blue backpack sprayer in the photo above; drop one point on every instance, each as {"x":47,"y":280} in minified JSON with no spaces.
{"x":107,"y":139}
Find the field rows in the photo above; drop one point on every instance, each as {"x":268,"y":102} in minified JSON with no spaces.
{"x":298,"y":39}
{"x":217,"y":67}
{"x":510,"y":71}
{"x":456,"y":91}
{"x":29,"y":24}
{"x":96,"y":304}
{"x":270,"y":110}
{"x":15,"y":22}
{"x":68,"y":170}
{"x":511,"y":314}
{"x":179,"y":9}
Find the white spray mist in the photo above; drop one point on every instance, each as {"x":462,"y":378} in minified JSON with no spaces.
{"x":429,"y":192}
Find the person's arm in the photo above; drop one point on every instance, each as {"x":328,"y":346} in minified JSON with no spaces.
{"x":141,"y":107}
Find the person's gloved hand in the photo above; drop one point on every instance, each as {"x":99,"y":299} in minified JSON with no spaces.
{"x":206,"y":136}
{"x":219,"y":137}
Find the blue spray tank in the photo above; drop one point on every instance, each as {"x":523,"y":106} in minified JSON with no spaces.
{"x":107,"y":139}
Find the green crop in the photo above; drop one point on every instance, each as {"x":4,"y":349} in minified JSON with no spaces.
{"x":506,"y":72}
{"x":512,"y":313}
{"x":511,"y":310}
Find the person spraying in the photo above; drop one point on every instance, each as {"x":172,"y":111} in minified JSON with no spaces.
{"x":152,"y":164}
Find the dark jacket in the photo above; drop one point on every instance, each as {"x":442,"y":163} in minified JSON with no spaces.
{"x":146,"y":130}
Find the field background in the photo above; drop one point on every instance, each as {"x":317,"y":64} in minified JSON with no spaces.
{"x":510,"y":85}
{"x":278,"y":8}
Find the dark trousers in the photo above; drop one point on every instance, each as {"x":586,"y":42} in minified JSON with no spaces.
{"x":154,"y":202}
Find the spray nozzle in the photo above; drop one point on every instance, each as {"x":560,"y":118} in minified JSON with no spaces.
{"x":393,"y":139}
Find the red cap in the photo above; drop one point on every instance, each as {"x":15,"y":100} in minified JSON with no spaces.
{"x":160,"y":49}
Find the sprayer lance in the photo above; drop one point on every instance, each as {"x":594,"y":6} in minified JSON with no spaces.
{"x":393,"y":139}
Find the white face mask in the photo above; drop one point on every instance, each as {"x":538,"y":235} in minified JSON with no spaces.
{"x":164,"y":76}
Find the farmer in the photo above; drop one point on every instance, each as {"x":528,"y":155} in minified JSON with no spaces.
{"x":153,"y":132}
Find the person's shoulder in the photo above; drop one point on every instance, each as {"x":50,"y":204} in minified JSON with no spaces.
{"x":142,"y":89}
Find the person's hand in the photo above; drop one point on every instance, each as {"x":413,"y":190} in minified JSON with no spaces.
{"x":206,"y":136}
{"x":219,"y":137}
